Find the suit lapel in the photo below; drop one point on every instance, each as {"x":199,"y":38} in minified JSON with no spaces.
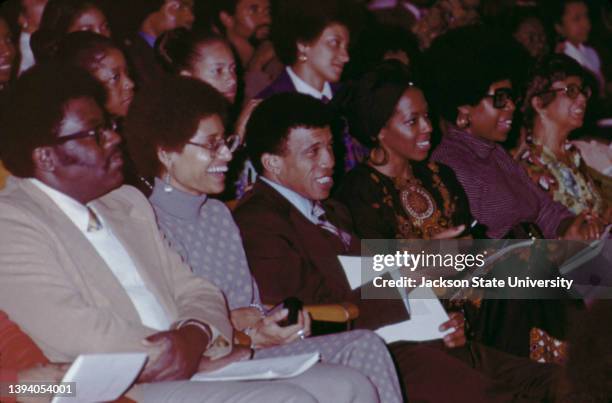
{"x":91,"y":268}
{"x":319,"y":245}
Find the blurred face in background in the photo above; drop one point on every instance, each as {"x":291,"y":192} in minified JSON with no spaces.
{"x":575,"y":24}
{"x":92,"y":20}
{"x":251,"y":20}
{"x":112,"y":71}
{"x":7,"y":52}
{"x":30,"y":15}
{"x":530,"y":33}
{"x":216,"y":67}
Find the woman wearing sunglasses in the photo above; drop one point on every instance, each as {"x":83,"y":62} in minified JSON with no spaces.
{"x":175,"y":133}
{"x":555,"y":104}
{"x":478,"y":114}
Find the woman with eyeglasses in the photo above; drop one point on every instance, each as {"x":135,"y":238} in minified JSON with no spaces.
{"x":555,"y":104}
{"x":478,"y":114}
{"x":476,"y":102}
{"x":175,"y":134}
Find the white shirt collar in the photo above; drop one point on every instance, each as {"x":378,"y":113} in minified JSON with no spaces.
{"x":298,"y":201}
{"x":76,"y":211}
{"x":303,"y":87}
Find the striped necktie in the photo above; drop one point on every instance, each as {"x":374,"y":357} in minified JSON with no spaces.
{"x":319,"y":213}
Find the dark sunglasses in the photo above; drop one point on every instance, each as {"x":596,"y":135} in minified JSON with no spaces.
{"x":572,"y":91}
{"x":98,"y":132}
{"x":501,"y":96}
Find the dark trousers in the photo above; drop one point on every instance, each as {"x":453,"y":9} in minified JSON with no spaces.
{"x":474,"y":373}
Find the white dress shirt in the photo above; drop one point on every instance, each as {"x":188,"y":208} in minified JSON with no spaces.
{"x":303,"y":87}
{"x":27,"y":57}
{"x":110,"y":249}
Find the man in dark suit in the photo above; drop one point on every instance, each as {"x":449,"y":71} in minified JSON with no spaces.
{"x":292,"y":241}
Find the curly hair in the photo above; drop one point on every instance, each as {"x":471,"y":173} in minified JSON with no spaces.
{"x":38,"y":103}
{"x":268,"y":129}
{"x":165,"y":116}
{"x":464,"y":62}
{"x":305,"y":21}
{"x":556,"y":67}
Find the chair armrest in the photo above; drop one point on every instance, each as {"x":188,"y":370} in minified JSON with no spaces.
{"x":337,"y":313}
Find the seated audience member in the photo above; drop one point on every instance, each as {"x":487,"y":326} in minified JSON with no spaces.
{"x":246,"y":25}
{"x":555,"y":104}
{"x":7,"y":69}
{"x":105,"y":61}
{"x":527,"y":28}
{"x":312,"y":40}
{"x":188,"y":154}
{"x":30,"y":14}
{"x":79,"y":249}
{"x":443,"y":16}
{"x":61,"y":17}
{"x":478,"y":113}
{"x":209,"y":58}
{"x":157,"y":17}
{"x":292,"y":241}
{"x":573,"y":25}
{"x":397,"y":193}
{"x":205,"y":57}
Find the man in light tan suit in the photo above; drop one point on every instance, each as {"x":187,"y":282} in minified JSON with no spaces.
{"x":83,"y":268}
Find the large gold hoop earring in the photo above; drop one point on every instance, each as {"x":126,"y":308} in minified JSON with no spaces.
{"x":376,"y":158}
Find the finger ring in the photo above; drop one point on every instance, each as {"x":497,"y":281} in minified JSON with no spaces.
{"x":301,"y":334}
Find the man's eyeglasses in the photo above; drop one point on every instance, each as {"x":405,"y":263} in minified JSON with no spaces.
{"x":98,"y":132}
{"x":501,"y":96}
{"x":572,"y":91}
{"x":231,"y":142}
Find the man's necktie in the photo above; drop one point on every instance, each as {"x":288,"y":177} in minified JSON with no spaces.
{"x":325,"y":99}
{"x":94,"y":224}
{"x":319,"y":213}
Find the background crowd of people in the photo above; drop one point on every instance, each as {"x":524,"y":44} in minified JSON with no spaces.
{"x":266,"y":137}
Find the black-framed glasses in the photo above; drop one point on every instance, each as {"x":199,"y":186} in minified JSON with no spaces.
{"x":98,"y":132}
{"x":501,"y":96}
{"x":231,"y":142}
{"x":572,"y":91}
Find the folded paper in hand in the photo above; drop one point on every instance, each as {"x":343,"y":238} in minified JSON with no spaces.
{"x":266,"y":368}
{"x":426,"y":311}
